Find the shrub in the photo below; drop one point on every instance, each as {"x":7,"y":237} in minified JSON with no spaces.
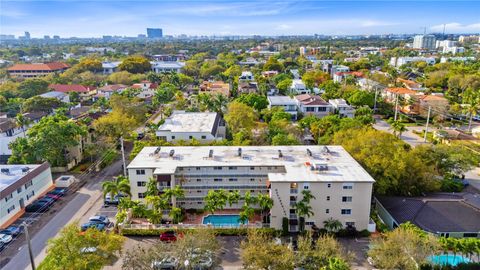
{"x":364,"y":233}
{"x":218,"y":231}
{"x":285,"y":226}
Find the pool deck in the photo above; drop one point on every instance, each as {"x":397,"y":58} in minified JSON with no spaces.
{"x":198,"y":218}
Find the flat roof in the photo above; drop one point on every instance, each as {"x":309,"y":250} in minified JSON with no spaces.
{"x":281,"y":100}
{"x":295,"y":159}
{"x":15,"y":173}
{"x":181,"y":121}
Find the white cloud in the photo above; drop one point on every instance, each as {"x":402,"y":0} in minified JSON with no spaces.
{"x":456,"y":27}
{"x":283,"y":27}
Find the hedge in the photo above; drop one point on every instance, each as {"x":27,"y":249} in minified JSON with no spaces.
{"x":218,"y":231}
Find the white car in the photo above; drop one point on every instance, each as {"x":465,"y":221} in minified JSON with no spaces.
{"x":167,"y":263}
{"x":5,"y":238}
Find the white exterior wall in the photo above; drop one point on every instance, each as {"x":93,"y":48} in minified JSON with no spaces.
{"x":135,"y":178}
{"x":186,"y":136}
{"x":41,"y":183}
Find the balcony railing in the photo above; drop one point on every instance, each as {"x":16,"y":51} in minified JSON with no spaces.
{"x":293,"y":191}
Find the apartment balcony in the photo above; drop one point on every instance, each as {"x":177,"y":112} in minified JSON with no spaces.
{"x":293,"y":191}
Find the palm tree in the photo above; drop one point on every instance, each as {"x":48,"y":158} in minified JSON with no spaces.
{"x":120,"y":185}
{"x":398,"y":128}
{"x":303,"y":210}
{"x":233,"y":197}
{"x":307,"y":195}
{"x":246,"y":214}
{"x":471,"y":98}
{"x":152,"y":187}
{"x":22,"y":121}
{"x":266,"y":203}
{"x":175,"y":214}
{"x":215,"y":200}
{"x":175,"y":192}
{"x":157,"y":203}
{"x":332,"y":225}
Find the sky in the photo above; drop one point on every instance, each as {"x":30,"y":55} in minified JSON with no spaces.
{"x":69,"y":18}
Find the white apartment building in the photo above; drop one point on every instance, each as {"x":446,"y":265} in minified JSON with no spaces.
{"x":453,"y":50}
{"x":445,"y":43}
{"x":400,"y":61}
{"x":298,"y":87}
{"x":342,"y":188}
{"x":167,"y":66}
{"x":19,"y":186}
{"x":424,"y":42}
{"x":184,"y":126}
{"x":287,"y":103}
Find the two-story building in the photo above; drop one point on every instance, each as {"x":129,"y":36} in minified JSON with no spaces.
{"x":313,"y":105}
{"x":215,"y":87}
{"x":288,"y":104}
{"x":167,"y":66}
{"x":84,"y":92}
{"x":342,"y":107}
{"x":36,"y":69}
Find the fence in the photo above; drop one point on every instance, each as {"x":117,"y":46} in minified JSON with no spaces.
{"x":191,"y":226}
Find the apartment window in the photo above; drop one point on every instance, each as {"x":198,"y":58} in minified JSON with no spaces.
{"x":199,"y":191}
{"x":329,"y":185}
{"x":30,"y":195}
{"x":252,"y":190}
{"x":252,"y":168}
{"x":346,"y":211}
{"x":306,"y":186}
{"x":310,"y":109}
{"x":217,"y":168}
{"x":9,"y":197}
{"x":204,"y":137}
{"x":233,"y":179}
{"x":232,"y":168}
{"x":347,"y":187}
{"x":19,"y":190}
{"x":217,"y":179}
{"x":346,"y":198}
{"x":141,"y":195}
{"x":269,"y":168}
{"x":10,"y":209}
{"x":327,"y":211}
{"x":252,"y":179}
{"x":197,"y":168}
{"x":190,"y":137}
{"x":199,"y":180}
{"x":322,"y":109}
{"x":470,"y":235}
{"x":309,"y":223}
{"x":328,"y":198}
{"x":140,"y":172}
{"x":141,"y":183}
{"x":173,"y":137}
{"x":28,"y":184}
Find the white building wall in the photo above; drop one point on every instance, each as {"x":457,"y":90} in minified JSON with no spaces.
{"x":203,"y":137}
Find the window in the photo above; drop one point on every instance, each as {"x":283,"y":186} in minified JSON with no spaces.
{"x":140,"y":172}
{"x":349,"y":223}
{"x":322,"y":109}
{"x":232,"y":168}
{"x":204,"y":137}
{"x":199,"y":191}
{"x":30,"y":195}
{"x":190,"y":137}
{"x":329,"y":185}
{"x":328,"y":198}
{"x":173,"y":137}
{"x":252,"y":168}
{"x":19,"y":190}
{"x":217,"y":179}
{"x":470,"y":235}
{"x":327,"y":211}
{"x":233,"y":179}
{"x":10,"y":209}
{"x":252,"y":190}
{"x":199,"y":180}
{"x":346,"y":211}
{"x":310,"y":109}
{"x":309,"y":223}
{"x":28,"y":184}
{"x":141,"y":183}
{"x":217,"y":168}
{"x":348,"y":186}
{"x":9,"y":197}
{"x":306,"y":186}
{"x":346,"y":198}
{"x":252,"y":179}
{"x":141,"y":195}
{"x":197,"y":168}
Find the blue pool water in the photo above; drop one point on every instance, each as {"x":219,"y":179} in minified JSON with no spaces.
{"x":448,"y":259}
{"x":222,"y":220}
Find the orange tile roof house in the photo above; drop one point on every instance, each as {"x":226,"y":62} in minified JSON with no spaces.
{"x":215,"y":87}
{"x":36,"y":69}
{"x":84,"y":92}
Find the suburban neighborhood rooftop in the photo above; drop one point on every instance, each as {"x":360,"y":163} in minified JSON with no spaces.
{"x":9,"y":174}
{"x":181,"y":121}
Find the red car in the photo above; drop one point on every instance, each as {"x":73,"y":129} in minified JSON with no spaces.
{"x":169,"y":236}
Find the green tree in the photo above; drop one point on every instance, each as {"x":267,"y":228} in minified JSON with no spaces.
{"x":398,"y":127}
{"x":32,"y":87}
{"x":22,"y":122}
{"x":361,"y":98}
{"x":114,"y":125}
{"x":322,"y":253}
{"x":90,"y":64}
{"x":303,"y":208}
{"x":41,"y":104}
{"x":135,"y":64}
{"x":256,"y":101}
{"x":119,"y":185}
{"x":73,"y":249}
{"x":265,"y":203}
{"x":273,"y":64}
{"x":332,"y":225}
{"x":284,"y":86}
{"x":240,"y":116}
{"x":165,"y":93}
{"x":471,"y":99}
{"x":121,"y":77}
{"x":215,"y":200}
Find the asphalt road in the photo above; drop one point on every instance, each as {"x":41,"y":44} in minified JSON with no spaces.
{"x":87,"y":202}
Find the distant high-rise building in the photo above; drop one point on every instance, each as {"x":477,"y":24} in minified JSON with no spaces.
{"x":56,"y":37}
{"x":424,"y":42}
{"x":154,"y":32}
{"x":46,"y":37}
{"x":27,"y":35}
{"x":142,"y":36}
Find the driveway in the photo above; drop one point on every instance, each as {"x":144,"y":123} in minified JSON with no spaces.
{"x":407,"y":136}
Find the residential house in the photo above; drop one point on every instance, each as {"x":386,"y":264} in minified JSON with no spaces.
{"x":204,"y":127}
{"x":246,"y":87}
{"x":390,"y":94}
{"x":246,"y":76}
{"x":298,"y":87}
{"x":313,"y":105}
{"x":446,"y":136}
{"x":288,"y":104}
{"x":338,"y":68}
{"x":170,"y":57}
{"x":63,"y":97}
{"x":110,"y":67}
{"x":400,"y":61}
{"x":250,"y":62}
{"x":84,"y":92}
{"x":338,"y":77}
{"x":442,"y":214}
{"x":108,"y":90}
{"x":215,"y":87}
{"x":369,"y":85}
{"x":412,"y":85}
{"x":438,"y":103}
{"x":167,"y":67}
{"x":147,"y":89}
{"x":269,"y":73}
{"x":36,"y":69}
{"x":342,"y":107}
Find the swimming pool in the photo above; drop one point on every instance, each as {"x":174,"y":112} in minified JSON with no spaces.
{"x":448,"y":259}
{"x":222,"y":220}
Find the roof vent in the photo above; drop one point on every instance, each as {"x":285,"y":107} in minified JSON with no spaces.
{"x":321,"y":167}
{"x":210,"y":153}
{"x":239,"y":151}
{"x":326,"y":150}
{"x":157,"y":150}
{"x":309,"y":152}
{"x":5,"y":170}
{"x":280,"y":154}
{"x":25,"y":169}
{"x":172,"y":152}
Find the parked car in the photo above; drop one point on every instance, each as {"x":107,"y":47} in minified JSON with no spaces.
{"x":2,"y":246}
{"x":167,"y":263}
{"x":47,"y":200}
{"x":37,"y":206}
{"x":100,"y":219}
{"x":94,"y":225}
{"x":200,"y":260}
{"x":53,"y":196}
{"x":115,"y":200}
{"x":5,"y":238}
{"x":58,"y":191}
{"x":12,"y":230}
{"x":168,"y":236}
{"x":140,"y":135}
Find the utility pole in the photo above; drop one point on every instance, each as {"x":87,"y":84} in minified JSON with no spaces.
{"x":30,"y":253}
{"x":123,"y":157}
{"x":396,"y":108}
{"x":375,"y":101}
{"x":426,"y":127}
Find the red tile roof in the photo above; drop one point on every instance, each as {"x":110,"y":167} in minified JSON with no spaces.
{"x":39,"y":66}
{"x":311,"y":100}
{"x":401,"y":91}
{"x":112,"y":87}
{"x":65,"y":88}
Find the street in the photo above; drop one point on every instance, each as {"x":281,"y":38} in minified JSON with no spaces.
{"x":87,"y":202}
{"x":407,"y":136}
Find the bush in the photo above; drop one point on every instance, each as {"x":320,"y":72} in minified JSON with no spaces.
{"x":285,"y":226}
{"x":218,"y":231}
{"x":364,"y":233}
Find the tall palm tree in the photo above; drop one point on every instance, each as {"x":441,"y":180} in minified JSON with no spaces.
{"x":471,"y":100}
{"x":398,"y":128}
{"x":22,"y":122}
{"x":303,"y":210}
{"x":175,"y":192}
{"x":120,"y":185}
{"x":233,"y":197}
{"x":332,"y":225}
{"x":175,"y":214}
{"x":266,"y":203}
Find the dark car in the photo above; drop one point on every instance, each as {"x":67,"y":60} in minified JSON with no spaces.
{"x":37,"y":206}
{"x":53,"y":196}
{"x":169,"y":236}
{"x":100,"y":219}
{"x":91,"y":224}
{"x":12,"y":230}
{"x":2,"y":245}
{"x":47,"y":200}
{"x":58,"y":191}
{"x":140,"y":135}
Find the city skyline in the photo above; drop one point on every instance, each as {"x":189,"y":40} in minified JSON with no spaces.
{"x":127,"y":18}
